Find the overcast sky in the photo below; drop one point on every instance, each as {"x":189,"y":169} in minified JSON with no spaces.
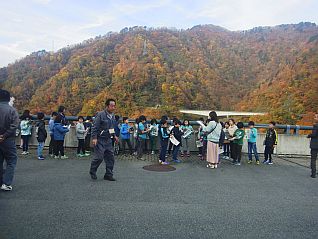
{"x":31,"y":25}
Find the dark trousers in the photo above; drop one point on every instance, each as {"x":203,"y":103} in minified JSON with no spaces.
{"x":200,"y":150}
{"x":237,"y":152}
{"x":109,"y":159}
{"x":8,"y":153}
{"x":153,"y":142}
{"x":88,"y":142}
{"x":141,"y":146}
{"x":232,"y":149}
{"x":313,"y":153}
{"x":204,"y":149}
{"x":25,"y":145}
{"x":163,"y":149}
{"x":175,"y":152}
{"x":51,"y":145}
{"x":81,"y":146}
{"x":268,"y":153}
{"x":124,"y":142}
{"x":170,"y":147}
{"x":252,"y":150}
{"x":226,"y":149}
{"x":58,"y":147}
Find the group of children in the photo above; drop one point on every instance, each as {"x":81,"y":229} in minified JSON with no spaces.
{"x":173,"y":139}
{"x":231,"y":144}
{"x":58,"y":128}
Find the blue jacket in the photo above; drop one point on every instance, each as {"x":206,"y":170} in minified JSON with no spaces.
{"x":59,"y":131}
{"x":124,"y":131}
{"x":253,"y":135}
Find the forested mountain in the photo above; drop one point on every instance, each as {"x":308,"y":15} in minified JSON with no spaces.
{"x":156,"y":71}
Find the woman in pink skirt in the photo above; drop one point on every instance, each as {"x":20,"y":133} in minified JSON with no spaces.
{"x":213,"y":131}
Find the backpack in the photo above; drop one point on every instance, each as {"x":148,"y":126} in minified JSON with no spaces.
{"x":222,"y":138}
{"x":222,"y":135}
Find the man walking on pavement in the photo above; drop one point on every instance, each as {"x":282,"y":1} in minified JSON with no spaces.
{"x":9,"y":121}
{"x":314,"y":146}
{"x":103,"y":134}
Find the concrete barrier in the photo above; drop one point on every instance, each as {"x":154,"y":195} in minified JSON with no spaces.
{"x":287,"y":144}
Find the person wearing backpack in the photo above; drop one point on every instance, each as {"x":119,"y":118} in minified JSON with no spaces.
{"x":213,"y":131}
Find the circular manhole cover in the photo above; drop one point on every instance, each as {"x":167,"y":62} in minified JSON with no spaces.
{"x":159,"y":168}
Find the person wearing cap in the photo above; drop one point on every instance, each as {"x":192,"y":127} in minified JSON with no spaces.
{"x":9,"y":121}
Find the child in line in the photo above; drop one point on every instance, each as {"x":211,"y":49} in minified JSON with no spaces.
{"x":26,"y":129}
{"x":125,"y":132}
{"x":238,"y":143}
{"x":232,"y":128}
{"x":51,"y":126}
{"x":187,"y":131}
{"x":177,"y":133}
{"x":80,"y":134}
{"x":252,"y":138}
{"x":226,"y":144}
{"x":136,"y":135}
{"x":41,"y":134}
{"x":153,"y":135}
{"x":88,"y":126}
{"x":270,"y":143}
{"x":199,"y":141}
{"x":164,"y":139}
{"x":142,"y":136}
{"x":59,"y":134}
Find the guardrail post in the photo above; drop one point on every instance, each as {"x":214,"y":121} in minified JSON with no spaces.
{"x":297,"y":130}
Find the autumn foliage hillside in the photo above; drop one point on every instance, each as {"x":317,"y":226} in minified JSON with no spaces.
{"x":156,"y":71}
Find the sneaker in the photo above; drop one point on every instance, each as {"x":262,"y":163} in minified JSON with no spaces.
{"x":215,"y":166}
{"x":56,"y":157}
{"x":199,"y":155}
{"x":109,"y":178}
{"x":80,"y":155}
{"x":265,"y":162}
{"x":152,"y":152}
{"x":177,"y":161}
{"x":160,"y":162}
{"x":165,"y":163}
{"x":249,"y":161}
{"x":237,"y":164}
{"x":270,"y":163}
{"x":313,"y":175}
{"x":24,"y":153}
{"x":93,"y":175}
{"x":86,"y":154}
{"x":6,"y":187}
{"x":52,"y":155}
{"x":64,"y":157}
{"x":257,"y":162}
{"x":41,"y":158}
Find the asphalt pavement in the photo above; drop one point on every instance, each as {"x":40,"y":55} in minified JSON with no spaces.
{"x":57,"y":199}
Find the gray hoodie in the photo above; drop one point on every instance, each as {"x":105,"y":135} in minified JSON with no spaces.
{"x":9,"y":120}
{"x":80,"y":131}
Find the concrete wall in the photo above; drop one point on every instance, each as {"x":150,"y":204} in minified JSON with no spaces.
{"x":287,"y":144}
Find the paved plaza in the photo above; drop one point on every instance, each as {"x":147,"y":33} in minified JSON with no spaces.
{"x":57,"y":199}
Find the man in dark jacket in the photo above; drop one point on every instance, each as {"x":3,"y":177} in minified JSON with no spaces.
{"x":9,"y":121}
{"x":314,"y":146}
{"x":103,"y":134}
